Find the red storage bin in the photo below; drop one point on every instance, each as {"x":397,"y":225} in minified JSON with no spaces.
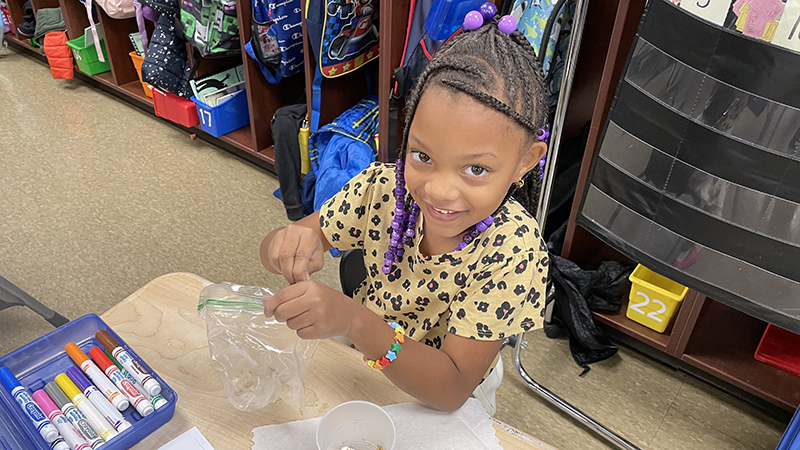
{"x":177,"y":109}
{"x":780,"y":348}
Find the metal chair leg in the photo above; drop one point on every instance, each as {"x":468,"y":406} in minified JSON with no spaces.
{"x":563,"y":405}
{"x":11,"y":295}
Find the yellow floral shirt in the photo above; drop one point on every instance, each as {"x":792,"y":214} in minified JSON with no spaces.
{"x":491,"y":289}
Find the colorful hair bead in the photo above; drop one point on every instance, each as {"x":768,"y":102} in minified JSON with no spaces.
{"x":472,"y":21}
{"x":507,"y":24}
{"x":488,"y":10}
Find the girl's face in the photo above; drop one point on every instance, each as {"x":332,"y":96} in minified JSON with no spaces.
{"x":462,"y":158}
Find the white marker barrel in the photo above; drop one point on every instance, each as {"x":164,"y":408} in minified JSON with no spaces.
{"x":96,"y":420}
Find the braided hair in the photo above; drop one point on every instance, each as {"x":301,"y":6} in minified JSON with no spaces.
{"x":486,"y":64}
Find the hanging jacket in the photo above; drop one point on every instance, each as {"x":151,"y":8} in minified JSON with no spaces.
{"x":47,"y":20}
{"x":59,"y":55}
{"x":285,"y":129}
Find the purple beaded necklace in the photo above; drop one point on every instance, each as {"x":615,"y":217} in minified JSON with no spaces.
{"x":404,"y":224}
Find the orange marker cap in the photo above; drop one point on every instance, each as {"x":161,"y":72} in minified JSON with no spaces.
{"x":100,"y":358}
{"x":75,"y":353}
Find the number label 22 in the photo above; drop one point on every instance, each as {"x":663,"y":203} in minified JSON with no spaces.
{"x":652,"y":314}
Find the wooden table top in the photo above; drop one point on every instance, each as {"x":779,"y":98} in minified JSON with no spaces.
{"x":160,"y":322}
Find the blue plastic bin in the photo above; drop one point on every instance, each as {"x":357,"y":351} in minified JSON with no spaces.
{"x":38,"y":363}
{"x":230,"y":115}
{"x":791,"y":437}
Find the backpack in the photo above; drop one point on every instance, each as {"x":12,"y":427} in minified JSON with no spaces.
{"x":343,"y":148}
{"x":211,"y":26}
{"x":116,"y":9}
{"x":277,"y":38}
{"x":344,"y":37}
{"x":540,"y":18}
{"x":166,"y":63}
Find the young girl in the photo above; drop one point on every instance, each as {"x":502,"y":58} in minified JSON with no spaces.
{"x":455,"y":262}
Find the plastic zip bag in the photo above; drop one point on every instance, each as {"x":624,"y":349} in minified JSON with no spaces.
{"x":259,"y":360}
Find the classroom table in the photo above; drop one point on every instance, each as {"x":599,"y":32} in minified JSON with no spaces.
{"x":160,"y":322}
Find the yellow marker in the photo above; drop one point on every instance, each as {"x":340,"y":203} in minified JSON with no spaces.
{"x":96,"y":420}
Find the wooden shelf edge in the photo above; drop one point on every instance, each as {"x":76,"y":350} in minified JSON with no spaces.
{"x":621,"y":322}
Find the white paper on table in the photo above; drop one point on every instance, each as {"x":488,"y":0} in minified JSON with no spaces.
{"x":417,"y":427}
{"x":190,"y":440}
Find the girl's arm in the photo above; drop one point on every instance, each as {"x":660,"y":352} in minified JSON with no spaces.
{"x":442,"y":378}
{"x":295,"y":251}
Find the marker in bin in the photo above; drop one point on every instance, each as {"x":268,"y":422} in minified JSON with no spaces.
{"x":108,"y":410}
{"x":136,"y":398}
{"x":157,"y":401}
{"x":95,"y":418}
{"x":73,"y":439}
{"x":73,"y":414}
{"x":150,"y":384}
{"x":34,"y":413}
{"x":97,"y":376}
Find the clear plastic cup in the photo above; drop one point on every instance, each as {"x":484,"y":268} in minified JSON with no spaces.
{"x":358,"y":425}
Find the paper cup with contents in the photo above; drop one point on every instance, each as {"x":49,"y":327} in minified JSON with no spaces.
{"x":356,"y":425}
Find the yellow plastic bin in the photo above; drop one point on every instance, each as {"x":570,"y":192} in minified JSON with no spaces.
{"x":654,"y":299}
{"x":137,"y":62}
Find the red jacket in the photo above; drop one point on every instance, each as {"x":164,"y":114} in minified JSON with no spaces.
{"x":59,"y":55}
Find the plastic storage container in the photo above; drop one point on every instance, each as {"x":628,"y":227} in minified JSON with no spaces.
{"x":137,"y":63}
{"x":86,"y":57}
{"x":780,"y":348}
{"x":446,"y":16}
{"x":791,"y":437}
{"x":230,"y":115}
{"x":175,"y":108}
{"x":654,"y":299}
{"x":38,"y":363}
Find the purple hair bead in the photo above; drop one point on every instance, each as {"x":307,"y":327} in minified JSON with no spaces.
{"x":507,"y":24}
{"x":472,"y":21}
{"x":488,"y":10}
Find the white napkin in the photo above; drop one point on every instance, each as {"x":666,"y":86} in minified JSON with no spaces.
{"x":417,"y":427}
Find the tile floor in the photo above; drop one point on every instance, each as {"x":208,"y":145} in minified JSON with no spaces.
{"x":98,"y":198}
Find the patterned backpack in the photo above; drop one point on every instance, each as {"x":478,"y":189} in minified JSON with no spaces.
{"x":344,"y":37}
{"x":211,"y":26}
{"x":277,"y":38}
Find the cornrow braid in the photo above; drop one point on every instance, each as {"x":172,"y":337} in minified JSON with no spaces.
{"x":486,"y":64}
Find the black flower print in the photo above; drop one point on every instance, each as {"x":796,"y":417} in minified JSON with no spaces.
{"x":360,"y":211}
{"x":516,"y":249}
{"x":488,"y":287}
{"x":322,"y":222}
{"x":498,"y":240}
{"x":522,"y":230}
{"x":411,"y":315}
{"x":484,"y":331}
{"x":427,"y":271}
{"x":443,"y":275}
{"x":340,"y":225}
{"x":383,"y":180}
{"x":395,"y":274}
{"x":406,"y":284}
{"x":376,"y":220}
{"x":453,"y":330}
{"x":527,"y":324}
{"x":483,"y":275}
{"x":437,"y":342}
{"x":504,"y":311}
{"x":375,"y":235}
{"x":376,"y":206}
{"x":533,"y":296}
{"x":521,"y":267}
{"x":460,"y":280}
{"x":355,"y":232}
{"x":461,"y":296}
{"x":432,"y":285}
{"x":387,"y":295}
{"x":397,"y":303}
{"x":519,"y":290}
{"x":356,"y":187}
{"x":422,"y":302}
{"x":335,"y":237}
{"x":344,"y":207}
{"x":330,"y":213}
{"x":501,"y":285}
{"x":483,"y":307}
{"x":412,"y":331}
{"x":444,"y":296}
{"x":461,"y":314}
{"x":518,"y":217}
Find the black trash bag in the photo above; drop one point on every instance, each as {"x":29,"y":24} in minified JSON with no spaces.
{"x":577,"y":293}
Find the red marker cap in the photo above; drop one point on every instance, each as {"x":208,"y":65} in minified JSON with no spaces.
{"x":100,"y":358}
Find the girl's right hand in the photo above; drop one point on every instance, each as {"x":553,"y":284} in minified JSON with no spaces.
{"x":296,"y":252}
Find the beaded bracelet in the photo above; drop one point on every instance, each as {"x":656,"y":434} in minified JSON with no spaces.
{"x":391,"y":355}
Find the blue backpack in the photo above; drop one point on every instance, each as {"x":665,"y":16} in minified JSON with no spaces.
{"x":277,"y":38}
{"x":342,"y":149}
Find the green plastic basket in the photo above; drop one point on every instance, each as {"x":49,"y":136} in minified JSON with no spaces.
{"x":86,"y":57}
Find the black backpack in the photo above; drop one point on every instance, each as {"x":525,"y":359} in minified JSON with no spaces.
{"x":166,"y":63}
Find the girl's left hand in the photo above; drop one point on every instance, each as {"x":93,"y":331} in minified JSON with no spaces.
{"x":313,"y":310}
